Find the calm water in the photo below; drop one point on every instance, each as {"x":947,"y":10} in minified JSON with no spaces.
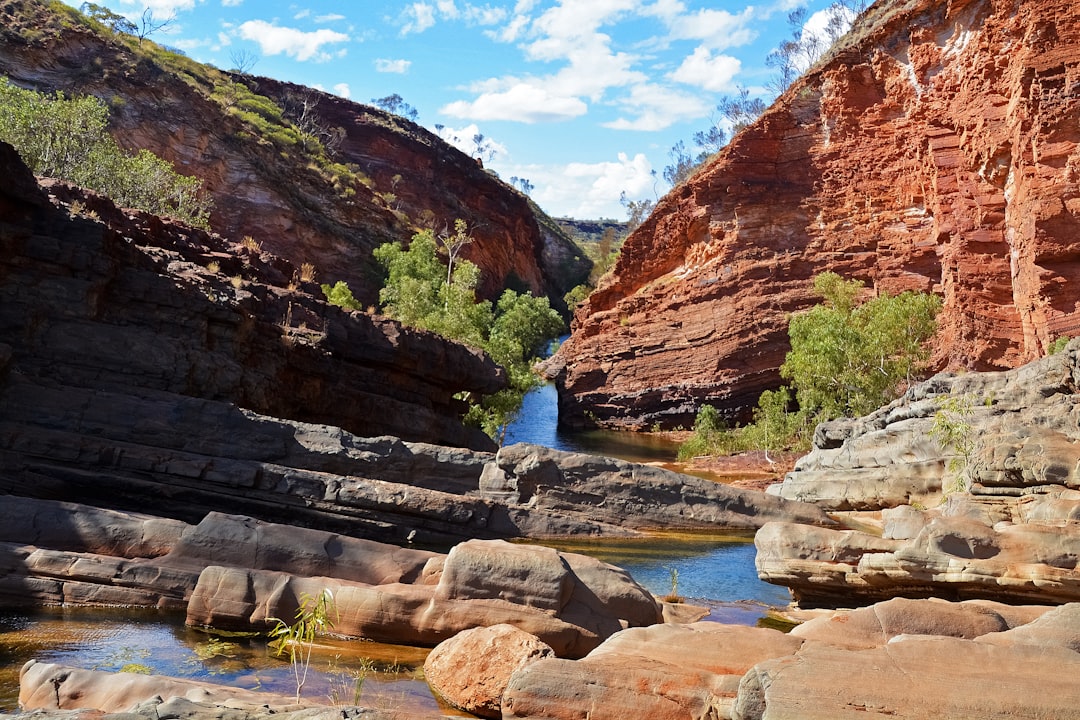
{"x":538,"y":424}
{"x":146,"y":640}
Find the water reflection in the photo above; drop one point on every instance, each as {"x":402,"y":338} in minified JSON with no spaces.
{"x":538,"y":424}
{"x":717,"y":572}
{"x":135,"y":640}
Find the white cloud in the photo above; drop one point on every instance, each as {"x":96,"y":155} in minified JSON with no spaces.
{"x":715,"y":73}
{"x":588,"y":190}
{"x":342,"y":89}
{"x":231,"y":3}
{"x":302,"y":14}
{"x":275,"y":40}
{"x":715,"y":29}
{"x":656,"y":107}
{"x":399,"y":67}
{"x":523,"y":102}
{"x":162,"y":8}
{"x":329,"y":18}
{"x":421,"y":16}
{"x":417,"y":18}
{"x":464,"y":139}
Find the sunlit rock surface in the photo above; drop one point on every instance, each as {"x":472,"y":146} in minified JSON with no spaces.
{"x":934,"y":149}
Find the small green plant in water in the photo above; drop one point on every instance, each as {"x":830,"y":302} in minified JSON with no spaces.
{"x":312,"y":618}
{"x":673,"y":596}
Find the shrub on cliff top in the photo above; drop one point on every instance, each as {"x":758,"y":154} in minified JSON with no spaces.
{"x":67,"y":138}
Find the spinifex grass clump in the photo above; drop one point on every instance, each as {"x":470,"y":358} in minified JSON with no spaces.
{"x":312,"y":618}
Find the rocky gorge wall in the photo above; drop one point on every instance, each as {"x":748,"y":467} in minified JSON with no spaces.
{"x":306,"y":212}
{"x":934,"y":149}
{"x":102,"y":301}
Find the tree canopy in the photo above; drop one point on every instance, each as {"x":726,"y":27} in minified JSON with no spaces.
{"x":846,"y":359}
{"x":421,"y":291}
{"x":849,"y":359}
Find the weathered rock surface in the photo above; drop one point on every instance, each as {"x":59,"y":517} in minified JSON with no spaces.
{"x":273,"y":191}
{"x":51,"y":686}
{"x":125,"y":303}
{"x":1011,"y":535}
{"x":902,"y":658}
{"x":570,"y":602}
{"x":235,"y":573}
{"x":1025,"y":672}
{"x":471,"y":670}
{"x":661,"y":672}
{"x":54,"y":692}
{"x":628,"y":494}
{"x":935,"y":149}
{"x":129,"y":373}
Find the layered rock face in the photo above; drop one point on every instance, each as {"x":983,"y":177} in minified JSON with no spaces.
{"x":231,"y":572}
{"x":130,"y":305}
{"x":274,"y":193}
{"x":997,"y":521}
{"x":133,"y":370}
{"x":935,"y":149}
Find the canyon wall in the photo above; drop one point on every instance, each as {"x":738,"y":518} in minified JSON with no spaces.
{"x":97,"y":299}
{"x":933,"y":149}
{"x":386,"y":178}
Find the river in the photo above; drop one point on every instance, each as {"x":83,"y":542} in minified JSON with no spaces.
{"x":714,"y":571}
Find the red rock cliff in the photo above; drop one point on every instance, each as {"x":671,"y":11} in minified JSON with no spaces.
{"x":193,"y":115}
{"x":934,"y":149}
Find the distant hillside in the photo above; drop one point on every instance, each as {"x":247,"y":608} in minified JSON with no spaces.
{"x":309,"y":176}
{"x":592,"y":230}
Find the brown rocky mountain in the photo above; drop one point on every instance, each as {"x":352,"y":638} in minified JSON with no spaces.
{"x":102,"y":301}
{"x":328,"y":204}
{"x":934,"y":148}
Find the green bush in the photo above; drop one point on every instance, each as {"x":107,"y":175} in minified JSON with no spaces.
{"x":421,"y":291}
{"x":340,"y":295}
{"x":67,"y":138}
{"x":846,"y":359}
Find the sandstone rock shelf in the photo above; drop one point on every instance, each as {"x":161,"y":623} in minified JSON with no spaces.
{"x":935,"y":149}
{"x":999,"y":524}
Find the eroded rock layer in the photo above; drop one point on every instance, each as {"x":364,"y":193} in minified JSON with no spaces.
{"x":989,"y":511}
{"x":102,"y":300}
{"x":934,"y":149}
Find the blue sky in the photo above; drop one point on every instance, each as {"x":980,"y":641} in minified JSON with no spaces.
{"x":584,"y":98}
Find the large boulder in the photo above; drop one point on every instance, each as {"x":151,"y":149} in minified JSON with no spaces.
{"x":659,"y":672}
{"x":995,"y":519}
{"x":472,"y":669}
{"x":569,"y":602}
{"x":1026,"y":672}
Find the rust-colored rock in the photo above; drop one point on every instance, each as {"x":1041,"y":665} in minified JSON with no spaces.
{"x":471,"y":670}
{"x":935,"y":149}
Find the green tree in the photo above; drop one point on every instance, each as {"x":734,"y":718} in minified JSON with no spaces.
{"x":846,"y":358}
{"x":849,"y":359}
{"x":422,"y":292}
{"x":339,"y":294}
